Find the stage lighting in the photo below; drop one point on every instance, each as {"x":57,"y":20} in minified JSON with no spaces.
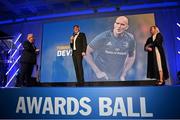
{"x":178,"y":38}
{"x":178,"y":24}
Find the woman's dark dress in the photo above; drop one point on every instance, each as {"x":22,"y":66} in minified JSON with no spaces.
{"x":152,"y":65}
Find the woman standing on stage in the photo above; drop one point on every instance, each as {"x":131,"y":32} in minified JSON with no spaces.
{"x":156,"y":64}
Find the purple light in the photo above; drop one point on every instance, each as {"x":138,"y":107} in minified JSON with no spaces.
{"x":84,"y":12}
{"x":178,"y":24}
{"x":15,"y":42}
{"x":16,"y":50}
{"x":12,"y":78}
{"x":178,"y":38}
{"x":111,"y":9}
{"x":13,"y":65}
{"x":153,"y":5}
{"x":17,"y":38}
{"x":6,"y":22}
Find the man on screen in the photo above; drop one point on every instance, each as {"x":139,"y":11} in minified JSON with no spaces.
{"x":112,"y":53}
{"x":78,"y":44}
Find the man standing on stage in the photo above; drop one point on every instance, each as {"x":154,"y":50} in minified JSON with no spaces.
{"x":112,"y":53}
{"x":27,"y":60}
{"x":78,"y":44}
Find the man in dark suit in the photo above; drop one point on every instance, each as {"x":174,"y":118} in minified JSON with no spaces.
{"x":27,"y":60}
{"x":78,"y":44}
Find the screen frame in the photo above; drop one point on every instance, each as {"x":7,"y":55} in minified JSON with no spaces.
{"x":147,"y":82}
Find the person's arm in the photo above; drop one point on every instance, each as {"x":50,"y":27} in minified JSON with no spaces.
{"x":71,"y":42}
{"x":129,"y":59}
{"x":84,"y":44}
{"x":158,"y":41}
{"x":148,"y":46}
{"x":94,"y":67}
{"x":27,"y":47}
{"x":127,"y":66}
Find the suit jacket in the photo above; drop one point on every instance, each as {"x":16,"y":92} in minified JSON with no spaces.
{"x":29,"y":53}
{"x":81,"y":43}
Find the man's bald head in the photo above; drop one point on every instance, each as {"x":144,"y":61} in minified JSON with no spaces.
{"x":30,"y":38}
{"x":124,"y":19}
{"x":120,"y":25}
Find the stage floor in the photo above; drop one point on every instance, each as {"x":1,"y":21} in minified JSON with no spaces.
{"x":95,"y":84}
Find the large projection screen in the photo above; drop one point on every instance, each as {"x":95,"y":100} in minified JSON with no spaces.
{"x":56,"y":57}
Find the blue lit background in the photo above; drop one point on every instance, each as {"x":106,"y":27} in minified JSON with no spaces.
{"x":166,"y":19}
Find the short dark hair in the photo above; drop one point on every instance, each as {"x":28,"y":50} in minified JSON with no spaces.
{"x":76,"y":26}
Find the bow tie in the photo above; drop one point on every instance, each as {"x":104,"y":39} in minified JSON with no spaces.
{"x":75,"y":34}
